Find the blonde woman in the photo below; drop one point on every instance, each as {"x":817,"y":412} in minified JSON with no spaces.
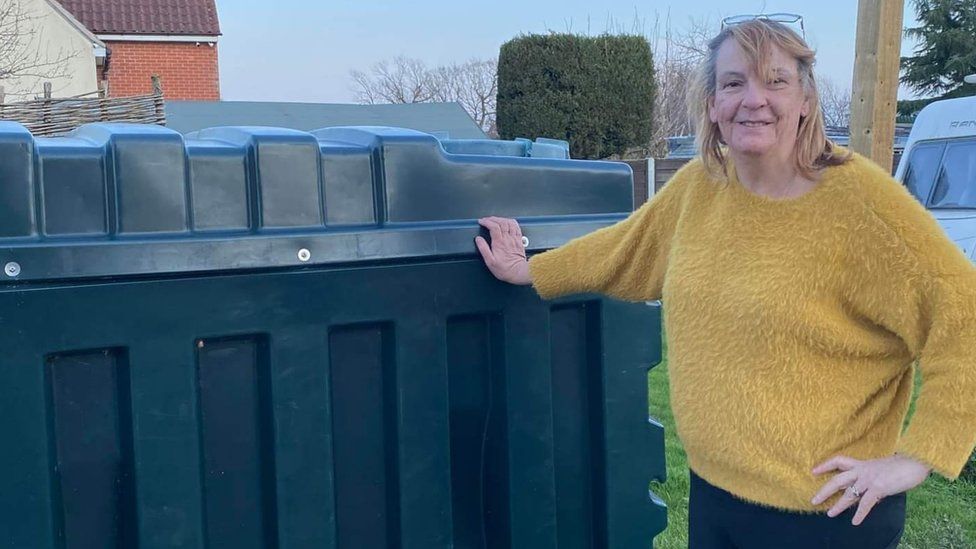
{"x":800,"y":283}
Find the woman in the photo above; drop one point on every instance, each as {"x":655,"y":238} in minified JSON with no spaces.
{"x":800,"y":283}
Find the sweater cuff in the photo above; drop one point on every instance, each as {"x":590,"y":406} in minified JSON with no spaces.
{"x":548,"y":274}
{"x":944,"y":449}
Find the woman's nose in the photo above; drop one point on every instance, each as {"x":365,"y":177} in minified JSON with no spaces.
{"x":755,"y":96}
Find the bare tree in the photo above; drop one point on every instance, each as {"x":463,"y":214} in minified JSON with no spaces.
{"x":401,"y":80}
{"x":473,"y":84}
{"x":835,"y":102}
{"x":677,"y":55}
{"x":24,"y":52}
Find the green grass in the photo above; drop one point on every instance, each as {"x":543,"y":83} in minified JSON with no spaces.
{"x":941,"y":514}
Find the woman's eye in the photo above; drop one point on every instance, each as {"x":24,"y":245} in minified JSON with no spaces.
{"x":730,"y":84}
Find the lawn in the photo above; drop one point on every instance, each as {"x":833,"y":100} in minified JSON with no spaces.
{"x":941,"y":514}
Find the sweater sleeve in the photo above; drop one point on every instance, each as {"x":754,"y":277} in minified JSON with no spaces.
{"x":921,"y":286}
{"x":626,"y":260}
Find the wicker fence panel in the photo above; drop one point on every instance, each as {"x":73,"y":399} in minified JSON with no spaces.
{"x":52,"y":117}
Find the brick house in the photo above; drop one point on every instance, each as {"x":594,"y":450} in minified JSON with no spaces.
{"x":175,"y":39}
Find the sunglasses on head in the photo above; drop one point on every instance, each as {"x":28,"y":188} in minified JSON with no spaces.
{"x":787,"y":18}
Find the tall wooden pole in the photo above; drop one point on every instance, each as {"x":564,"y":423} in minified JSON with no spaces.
{"x":875,"y":90}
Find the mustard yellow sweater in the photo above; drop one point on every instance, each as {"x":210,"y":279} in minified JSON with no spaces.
{"x":793,"y":324}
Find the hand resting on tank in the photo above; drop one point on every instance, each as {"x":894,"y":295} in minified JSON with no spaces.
{"x":505,"y":257}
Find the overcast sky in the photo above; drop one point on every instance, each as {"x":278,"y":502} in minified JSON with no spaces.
{"x":300,"y":50}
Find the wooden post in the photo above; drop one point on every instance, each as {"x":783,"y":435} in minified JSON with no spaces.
{"x":46,"y":110}
{"x":103,"y":102}
{"x":875,"y":90}
{"x":158,"y":105}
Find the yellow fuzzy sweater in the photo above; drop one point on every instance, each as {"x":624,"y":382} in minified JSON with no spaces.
{"x":793,"y":324}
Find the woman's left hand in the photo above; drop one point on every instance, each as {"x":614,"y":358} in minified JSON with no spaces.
{"x":867,"y":482}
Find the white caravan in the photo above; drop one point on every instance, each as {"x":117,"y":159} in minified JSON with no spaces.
{"x":939,"y":167}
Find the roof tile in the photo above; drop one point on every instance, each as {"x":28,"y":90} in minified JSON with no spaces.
{"x":178,"y":17}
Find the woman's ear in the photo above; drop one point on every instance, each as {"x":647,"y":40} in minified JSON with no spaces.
{"x":710,"y":107}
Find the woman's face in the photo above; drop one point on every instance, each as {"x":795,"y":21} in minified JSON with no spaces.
{"x":757,"y":115}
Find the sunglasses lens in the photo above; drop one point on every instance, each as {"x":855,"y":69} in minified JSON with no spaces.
{"x":736,"y":19}
{"x":783,"y":17}
{"x":775,"y":17}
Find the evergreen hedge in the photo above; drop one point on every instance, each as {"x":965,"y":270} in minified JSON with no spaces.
{"x":597,"y":92}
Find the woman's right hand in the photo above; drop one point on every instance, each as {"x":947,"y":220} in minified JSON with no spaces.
{"x":505,"y":257}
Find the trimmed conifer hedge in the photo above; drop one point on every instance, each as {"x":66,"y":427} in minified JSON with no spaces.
{"x":597,"y":92}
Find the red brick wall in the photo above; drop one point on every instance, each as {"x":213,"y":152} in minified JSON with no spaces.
{"x":188,"y":70}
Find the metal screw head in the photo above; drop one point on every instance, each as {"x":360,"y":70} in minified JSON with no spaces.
{"x":525,"y":241}
{"x":12,"y":268}
{"x":304,"y":255}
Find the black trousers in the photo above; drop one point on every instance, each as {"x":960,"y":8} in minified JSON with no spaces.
{"x":719,"y":520}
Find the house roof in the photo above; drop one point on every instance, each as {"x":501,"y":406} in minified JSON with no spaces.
{"x":444,"y":118}
{"x":174,"y":17}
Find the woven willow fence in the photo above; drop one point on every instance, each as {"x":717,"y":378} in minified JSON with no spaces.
{"x":52,"y":117}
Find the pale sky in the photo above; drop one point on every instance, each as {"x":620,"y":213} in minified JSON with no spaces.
{"x":301,"y":50}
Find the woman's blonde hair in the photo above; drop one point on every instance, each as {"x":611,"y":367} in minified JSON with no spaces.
{"x":813,"y":150}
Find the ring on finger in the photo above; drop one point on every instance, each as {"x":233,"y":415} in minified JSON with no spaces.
{"x":854,"y":491}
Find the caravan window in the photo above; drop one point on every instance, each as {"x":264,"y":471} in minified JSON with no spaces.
{"x":923,"y":164}
{"x":956,"y":183}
